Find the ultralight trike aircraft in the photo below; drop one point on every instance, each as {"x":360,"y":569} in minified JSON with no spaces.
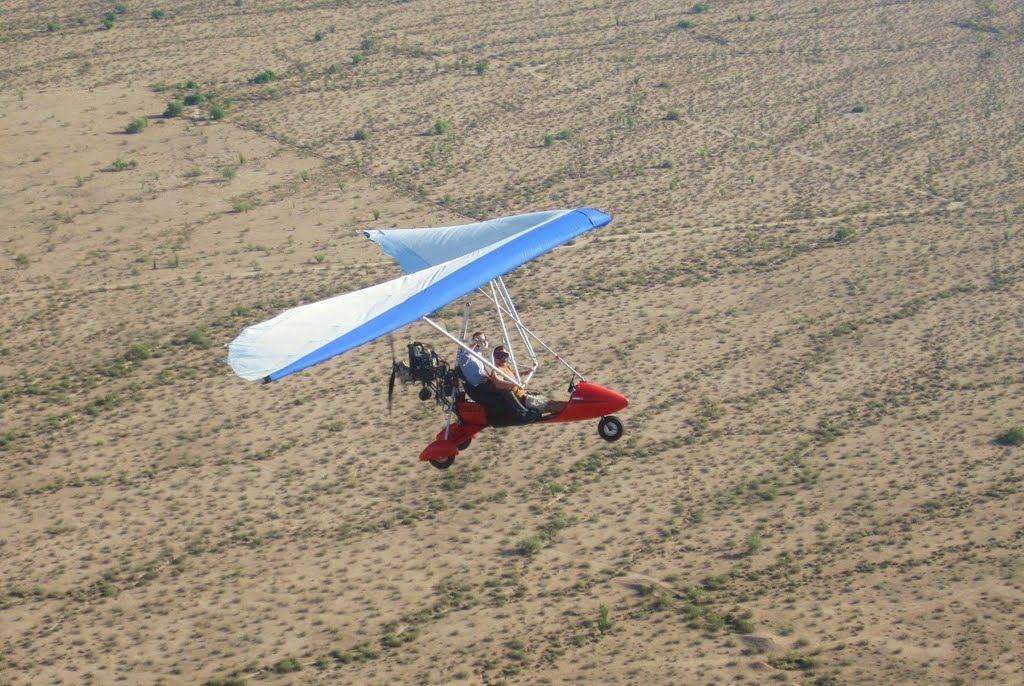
{"x":441,"y":265}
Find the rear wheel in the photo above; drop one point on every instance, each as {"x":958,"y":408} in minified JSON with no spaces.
{"x":610,"y":428}
{"x":443,"y":464}
{"x":465,"y":444}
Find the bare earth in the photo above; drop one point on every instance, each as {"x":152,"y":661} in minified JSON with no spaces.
{"x":811,"y":293}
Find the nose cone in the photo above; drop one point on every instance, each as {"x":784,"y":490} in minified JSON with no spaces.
{"x":598,"y":400}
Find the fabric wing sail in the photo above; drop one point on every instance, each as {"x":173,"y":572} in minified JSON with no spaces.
{"x":441,"y":265}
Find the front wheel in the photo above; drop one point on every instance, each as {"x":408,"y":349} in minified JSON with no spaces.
{"x":443,"y":464}
{"x":610,"y":428}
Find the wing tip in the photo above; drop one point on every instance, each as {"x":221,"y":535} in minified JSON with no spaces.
{"x":597,"y":217}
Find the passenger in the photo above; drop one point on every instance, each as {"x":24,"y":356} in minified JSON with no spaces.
{"x":473,"y":370}
{"x":532,"y":401}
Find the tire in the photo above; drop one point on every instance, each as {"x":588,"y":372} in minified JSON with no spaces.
{"x":465,"y":444}
{"x":443,"y":464}
{"x":610,"y":428}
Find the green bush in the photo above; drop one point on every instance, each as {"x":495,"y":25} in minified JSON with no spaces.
{"x":289,"y":664}
{"x":793,"y":661}
{"x":673,"y":115}
{"x":174,"y":109}
{"x":217,"y":113}
{"x":481,"y":67}
{"x":157,"y":14}
{"x":440,"y":127}
{"x":199,"y":338}
{"x":361,"y":135}
{"x":233,"y":680}
{"x":193,"y":99}
{"x":121,"y":8}
{"x":138,"y":352}
{"x":265,"y":76}
{"x":120,"y":165}
{"x":739,"y":625}
{"x":684,"y":24}
{"x":359,"y":59}
{"x":842,"y":233}
{"x":319,"y":36}
{"x":604,"y":622}
{"x":1012,"y":436}
{"x":531,"y":545}
{"x":859,"y":108}
{"x":698,"y":8}
{"x":52,"y":26}
{"x":136,"y":125}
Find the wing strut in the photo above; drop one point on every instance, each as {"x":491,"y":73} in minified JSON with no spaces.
{"x":515,"y":317}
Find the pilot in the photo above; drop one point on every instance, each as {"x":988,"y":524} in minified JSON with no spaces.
{"x":533,"y":401}
{"x":503,"y":407}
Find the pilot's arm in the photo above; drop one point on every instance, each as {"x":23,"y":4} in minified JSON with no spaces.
{"x":500,"y":382}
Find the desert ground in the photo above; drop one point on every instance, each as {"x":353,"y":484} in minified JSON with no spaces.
{"x":810,"y":292}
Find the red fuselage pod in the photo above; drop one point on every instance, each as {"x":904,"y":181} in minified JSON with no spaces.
{"x":589,"y":401}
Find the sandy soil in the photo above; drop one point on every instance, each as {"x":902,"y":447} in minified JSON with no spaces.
{"x":811,"y":293}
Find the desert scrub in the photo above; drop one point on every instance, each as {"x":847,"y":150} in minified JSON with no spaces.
{"x":531,"y":545}
{"x":1012,"y":436}
{"x":287,"y":665}
{"x":174,"y":109}
{"x":792,"y":661}
{"x":265,"y":76}
{"x":139,"y":351}
{"x":120,"y":165}
{"x":604,"y":622}
{"x":361,"y":135}
{"x":196,"y":337}
{"x":136,"y":125}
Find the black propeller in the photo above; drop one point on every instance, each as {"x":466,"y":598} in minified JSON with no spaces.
{"x":394,"y":373}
